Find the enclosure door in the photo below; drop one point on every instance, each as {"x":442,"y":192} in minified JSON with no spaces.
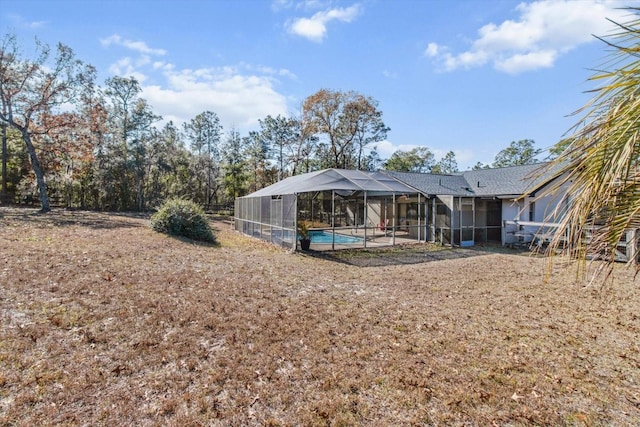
{"x":467,"y":222}
{"x":494,"y":220}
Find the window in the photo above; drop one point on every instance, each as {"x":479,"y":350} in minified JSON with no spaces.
{"x":532,"y":211}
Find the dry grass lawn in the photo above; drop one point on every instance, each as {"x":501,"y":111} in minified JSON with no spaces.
{"x":105,"y":322}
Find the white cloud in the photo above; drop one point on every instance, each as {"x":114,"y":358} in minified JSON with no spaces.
{"x":386,"y":148}
{"x":237,"y":97}
{"x":21,"y":22}
{"x":390,"y":74}
{"x":138,"y":46}
{"x":466,"y":60}
{"x":524,"y":62}
{"x":315,"y":28}
{"x":282,"y":72}
{"x":127,"y":67}
{"x":464,"y":157}
{"x":432,"y":50}
{"x":543,"y":31}
{"x":34,"y":25}
{"x":277,"y":5}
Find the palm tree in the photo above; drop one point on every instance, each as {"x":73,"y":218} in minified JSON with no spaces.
{"x":599,"y":170}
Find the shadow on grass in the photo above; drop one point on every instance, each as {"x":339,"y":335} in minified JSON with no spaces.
{"x":90,"y":219}
{"x":64,"y":218}
{"x":407,"y":255}
{"x":186,"y":240}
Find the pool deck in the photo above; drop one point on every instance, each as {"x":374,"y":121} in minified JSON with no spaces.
{"x":375,"y":238}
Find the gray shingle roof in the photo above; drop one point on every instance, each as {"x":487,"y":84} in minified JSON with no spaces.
{"x":512,"y":180}
{"x":433,"y":184}
{"x":508,"y":181}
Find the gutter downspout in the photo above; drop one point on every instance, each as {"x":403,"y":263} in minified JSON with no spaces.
{"x":333,"y":219}
{"x":460,"y":217}
{"x":433,"y":220}
{"x":295,"y":223}
{"x":393,"y":230}
{"x":366,"y":218}
{"x":419,"y":217}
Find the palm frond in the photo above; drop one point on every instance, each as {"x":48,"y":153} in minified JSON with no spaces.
{"x":600,"y":170}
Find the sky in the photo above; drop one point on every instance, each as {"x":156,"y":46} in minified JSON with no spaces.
{"x":468,"y":76}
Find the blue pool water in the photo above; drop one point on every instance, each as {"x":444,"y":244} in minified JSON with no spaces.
{"x":326,"y":237}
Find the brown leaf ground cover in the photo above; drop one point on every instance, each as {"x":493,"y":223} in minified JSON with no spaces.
{"x":105,"y":322}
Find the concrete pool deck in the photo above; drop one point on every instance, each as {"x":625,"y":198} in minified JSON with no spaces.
{"x":375,"y":239}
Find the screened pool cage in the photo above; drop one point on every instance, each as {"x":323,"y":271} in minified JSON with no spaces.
{"x":342,"y":208}
{"x":349,"y":209}
{"x":336,"y":220}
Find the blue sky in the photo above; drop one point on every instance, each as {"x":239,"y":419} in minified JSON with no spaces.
{"x":467,"y":76}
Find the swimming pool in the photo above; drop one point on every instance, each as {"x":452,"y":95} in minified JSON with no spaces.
{"x":319,"y":236}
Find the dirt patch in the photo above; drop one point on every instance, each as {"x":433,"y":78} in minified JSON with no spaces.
{"x":407,"y":254}
{"x":105,"y":322}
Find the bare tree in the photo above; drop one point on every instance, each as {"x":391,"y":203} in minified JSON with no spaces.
{"x":349,"y":121}
{"x":31,"y":90}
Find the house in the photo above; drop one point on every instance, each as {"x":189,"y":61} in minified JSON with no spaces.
{"x":482,"y":205}
{"x":350,"y":207}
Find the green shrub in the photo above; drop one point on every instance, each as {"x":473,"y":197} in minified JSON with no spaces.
{"x":178,"y":217}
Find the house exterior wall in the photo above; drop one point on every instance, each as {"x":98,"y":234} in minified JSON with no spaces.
{"x":512,"y":210}
{"x":529,"y":209}
{"x":444,"y":221}
{"x":375,"y":209}
{"x":545,"y":207}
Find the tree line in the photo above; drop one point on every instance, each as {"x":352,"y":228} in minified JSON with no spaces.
{"x":102,"y":147}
